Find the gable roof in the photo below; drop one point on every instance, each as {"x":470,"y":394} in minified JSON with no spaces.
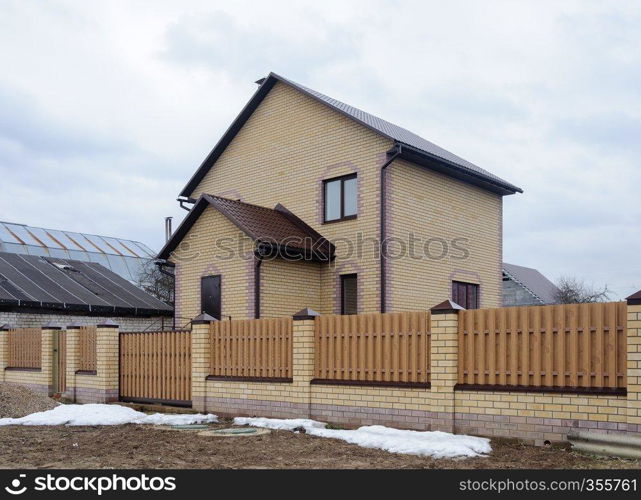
{"x":62,"y":284}
{"x":276,"y":228}
{"x":533,"y":281}
{"x":416,"y":148}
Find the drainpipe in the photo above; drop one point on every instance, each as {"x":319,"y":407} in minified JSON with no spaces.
{"x":259,"y":254}
{"x":392,"y":154}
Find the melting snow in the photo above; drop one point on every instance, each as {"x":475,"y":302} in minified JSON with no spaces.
{"x":434,"y":444}
{"x":100,"y":414}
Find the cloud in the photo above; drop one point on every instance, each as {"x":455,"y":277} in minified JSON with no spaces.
{"x":220,"y":42}
{"x":108,"y":108}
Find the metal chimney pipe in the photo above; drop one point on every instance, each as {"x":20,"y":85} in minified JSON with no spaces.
{"x":168,"y":228}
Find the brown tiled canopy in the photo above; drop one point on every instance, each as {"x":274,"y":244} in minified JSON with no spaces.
{"x":273,"y":228}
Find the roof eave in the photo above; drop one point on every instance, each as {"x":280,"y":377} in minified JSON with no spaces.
{"x":451,"y":169}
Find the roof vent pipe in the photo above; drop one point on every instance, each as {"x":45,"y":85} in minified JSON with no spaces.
{"x":168,"y":228}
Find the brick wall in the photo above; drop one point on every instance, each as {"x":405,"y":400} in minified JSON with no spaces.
{"x":438,"y":210}
{"x":199,"y":255}
{"x":33,"y":320}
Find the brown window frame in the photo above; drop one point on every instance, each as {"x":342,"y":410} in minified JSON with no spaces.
{"x":468,"y":286}
{"x":342,"y":180}
{"x":343,"y":278}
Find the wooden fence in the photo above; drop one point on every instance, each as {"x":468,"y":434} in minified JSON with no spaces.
{"x":564,"y":346}
{"x":391,"y":348}
{"x":251,"y":349}
{"x":87,"y":349}
{"x":25,"y":348}
{"x":156,"y":367}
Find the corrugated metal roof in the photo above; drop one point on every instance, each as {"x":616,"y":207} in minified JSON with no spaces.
{"x":533,"y":281}
{"x":395,"y":132}
{"x":427,"y":151}
{"x":124,"y":257}
{"x":52,"y":283}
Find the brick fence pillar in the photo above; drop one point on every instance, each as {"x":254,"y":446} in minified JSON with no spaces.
{"x":444,"y":363}
{"x":4,"y":353}
{"x":107,"y":361}
{"x":303,"y":359}
{"x":634,"y":362}
{"x":46,"y":359}
{"x":73,"y":365}
{"x":200,"y":360}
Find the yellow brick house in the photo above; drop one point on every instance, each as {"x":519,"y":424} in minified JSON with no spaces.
{"x":309,"y":202}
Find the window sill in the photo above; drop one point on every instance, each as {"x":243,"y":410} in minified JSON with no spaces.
{"x":351,"y":217}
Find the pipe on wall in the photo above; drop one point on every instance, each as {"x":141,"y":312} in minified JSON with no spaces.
{"x":259,"y":254}
{"x":392,"y":154}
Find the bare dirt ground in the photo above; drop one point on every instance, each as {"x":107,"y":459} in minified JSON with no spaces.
{"x":136,"y":446}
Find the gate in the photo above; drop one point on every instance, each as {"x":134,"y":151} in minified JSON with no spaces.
{"x":155,"y":367}
{"x":59,"y":362}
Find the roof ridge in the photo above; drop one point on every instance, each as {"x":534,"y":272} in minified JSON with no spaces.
{"x":240,"y":201}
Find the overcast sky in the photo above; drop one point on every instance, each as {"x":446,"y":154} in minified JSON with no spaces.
{"x":107,"y":108}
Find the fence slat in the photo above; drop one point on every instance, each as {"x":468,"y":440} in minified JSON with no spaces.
{"x":575,"y":345}
{"x":391,"y":348}
{"x":25,"y":346}
{"x":253,"y":348}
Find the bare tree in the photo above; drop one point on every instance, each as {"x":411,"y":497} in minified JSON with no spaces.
{"x":573,"y":290}
{"x":157,"y":283}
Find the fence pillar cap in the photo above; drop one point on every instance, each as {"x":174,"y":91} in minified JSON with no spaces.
{"x":6,"y":327}
{"x":74,"y":326}
{"x":51,"y":326}
{"x":108,"y":324}
{"x":305,"y":314}
{"x":446,"y":307}
{"x":634,"y":299}
{"x":203,"y":319}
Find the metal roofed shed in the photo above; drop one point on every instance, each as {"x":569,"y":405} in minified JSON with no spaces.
{"x":31,"y":283}
{"x":126,"y":258}
{"x":524,"y":286}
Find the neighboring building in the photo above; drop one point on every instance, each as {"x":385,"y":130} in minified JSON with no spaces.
{"x":38,"y":290}
{"x":124,"y":257}
{"x":524,"y":286}
{"x":297,"y":170}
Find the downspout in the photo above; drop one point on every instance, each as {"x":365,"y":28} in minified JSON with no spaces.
{"x":392,"y":154}
{"x":259,"y":254}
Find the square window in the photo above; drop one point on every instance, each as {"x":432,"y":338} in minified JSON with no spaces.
{"x":465,"y":294}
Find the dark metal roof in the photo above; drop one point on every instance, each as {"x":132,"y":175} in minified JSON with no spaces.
{"x":50,"y":283}
{"x":533,"y":281}
{"x":276,"y":228}
{"x":454,"y":165}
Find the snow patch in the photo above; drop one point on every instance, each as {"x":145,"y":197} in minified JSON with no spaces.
{"x":280,"y":424}
{"x":429,"y":443}
{"x":101,"y":414}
